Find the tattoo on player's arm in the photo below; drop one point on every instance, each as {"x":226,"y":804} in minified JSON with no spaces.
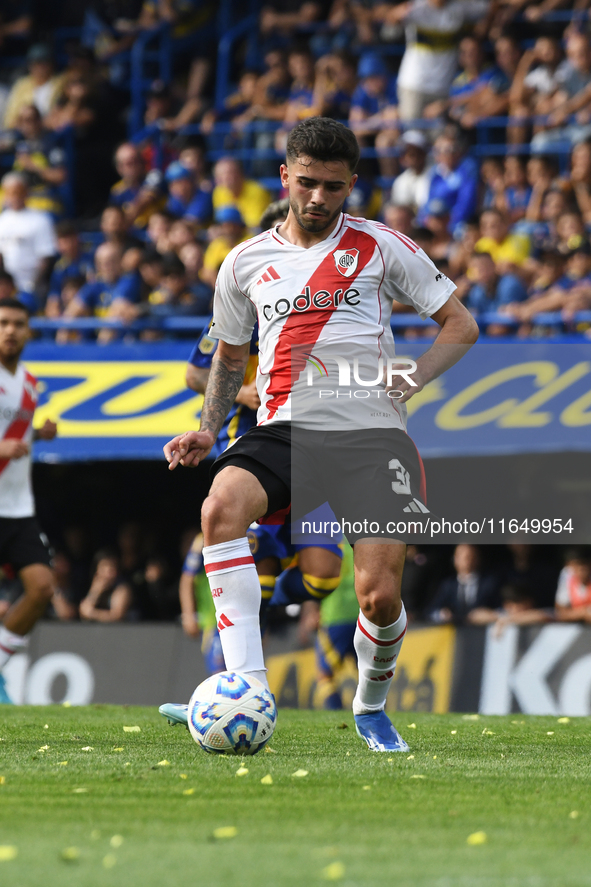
{"x":225,"y":380}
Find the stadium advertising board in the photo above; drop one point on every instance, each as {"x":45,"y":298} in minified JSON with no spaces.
{"x":545,"y":671}
{"x":127,"y":401}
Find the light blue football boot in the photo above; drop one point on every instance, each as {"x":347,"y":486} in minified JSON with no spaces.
{"x":175,"y":713}
{"x":4,"y":697}
{"x":379,"y":732}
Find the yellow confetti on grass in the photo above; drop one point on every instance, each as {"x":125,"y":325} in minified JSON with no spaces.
{"x":300,"y":773}
{"x":46,"y":726}
{"x":267,"y":780}
{"x":477,"y":838}
{"x":242,"y":771}
{"x":270,"y":751}
{"x":43,"y":748}
{"x":66,"y":704}
{"x":366,"y":788}
{"x":7,"y":852}
{"x":70,"y":854}
{"x":453,"y":732}
{"x":487,"y":732}
{"x":164,"y":763}
{"x":135,"y":729}
{"x":410,"y":758}
{"x":564,"y":720}
{"x":183,"y":776}
{"x":79,"y":791}
{"x":225,"y":831}
{"x":470,"y":717}
{"x":417,"y":776}
{"x":117,"y":749}
{"x":87,"y":748}
{"x":116,"y":841}
{"x":574,"y":814}
{"x":334,"y":872}
{"x":412,"y":726}
{"x":2,"y":780}
{"x":62,"y":763}
{"x":550,"y":733}
{"x":189,"y":791}
{"x":109,"y":861}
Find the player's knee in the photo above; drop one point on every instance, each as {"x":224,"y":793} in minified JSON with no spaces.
{"x":41,"y":591}
{"x":379,"y":605}
{"x":218,"y":518}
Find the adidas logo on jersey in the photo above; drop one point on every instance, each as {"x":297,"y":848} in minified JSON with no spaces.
{"x":270,"y":274}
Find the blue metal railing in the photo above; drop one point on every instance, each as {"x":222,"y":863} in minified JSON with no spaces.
{"x":225,"y":50}
{"x":142,"y":61}
{"x":198,"y":324}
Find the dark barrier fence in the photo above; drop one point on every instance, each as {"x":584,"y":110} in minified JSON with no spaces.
{"x":541,"y":670}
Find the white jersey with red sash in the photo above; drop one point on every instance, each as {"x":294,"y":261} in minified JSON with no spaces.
{"x":335,"y":296}
{"x":18,"y":399}
{"x":571,"y":591}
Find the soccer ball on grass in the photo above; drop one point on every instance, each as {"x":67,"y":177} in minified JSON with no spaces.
{"x":232,"y":714}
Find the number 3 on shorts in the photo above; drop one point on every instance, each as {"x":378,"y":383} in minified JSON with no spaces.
{"x":402,"y":484}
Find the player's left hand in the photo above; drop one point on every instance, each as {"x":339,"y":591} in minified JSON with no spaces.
{"x":47,"y":431}
{"x":400,"y":383}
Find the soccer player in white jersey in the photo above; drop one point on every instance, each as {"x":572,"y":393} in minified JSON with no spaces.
{"x":322,"y":279}
{"x":21,"y":542}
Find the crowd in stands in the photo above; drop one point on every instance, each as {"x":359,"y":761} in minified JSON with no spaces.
{"x":137,"y":229}
{"x":133,"y":580}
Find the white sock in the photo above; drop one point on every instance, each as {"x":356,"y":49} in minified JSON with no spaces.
{"x":236,"y":592}
{"x":377,"y":649}
{"x":10,"y":643}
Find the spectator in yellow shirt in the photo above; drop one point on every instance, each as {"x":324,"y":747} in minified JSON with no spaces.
{"x":233,"y":189}
{"x":508,"y":251}
{"x":41,"y":87}
{"x":231,"y":231}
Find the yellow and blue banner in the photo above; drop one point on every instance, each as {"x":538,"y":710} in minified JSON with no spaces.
{"x":126,"y":401}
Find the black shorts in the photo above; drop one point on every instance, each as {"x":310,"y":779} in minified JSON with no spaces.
{"x":373,"y":479}
{"x":22,"y":543}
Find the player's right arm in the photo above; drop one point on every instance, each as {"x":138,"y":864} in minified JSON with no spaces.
{"x":225,"y":381}
{"x":234,"y":319}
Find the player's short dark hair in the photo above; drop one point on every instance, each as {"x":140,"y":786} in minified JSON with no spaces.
{"x":11,"y":302}
{"x":276,"y":210}
{"x":323,"y":139}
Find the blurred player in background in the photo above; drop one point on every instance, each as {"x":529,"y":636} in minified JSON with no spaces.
{"x":22,"y":544}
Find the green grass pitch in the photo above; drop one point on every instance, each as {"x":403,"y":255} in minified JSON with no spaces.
{"x":143,"y":808}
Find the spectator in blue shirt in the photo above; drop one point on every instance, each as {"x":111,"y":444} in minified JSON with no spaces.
{"x":173,"y":296}
{"x":72,"y":262}
{"x":373,"y":105}
{"x":490,"y":291}
{"x":454,"y":181}
{"x":186,"y":201}
{"x":100,"y":297}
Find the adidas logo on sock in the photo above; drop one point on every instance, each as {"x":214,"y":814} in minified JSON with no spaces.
{"x":224,"y":622}
{"x":417,"y":506}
